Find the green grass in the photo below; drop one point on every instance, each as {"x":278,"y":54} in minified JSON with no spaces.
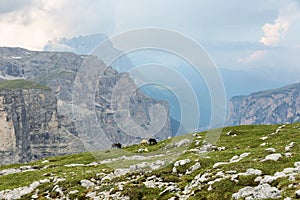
{"x":247,"y":140}
{"x":22,"y":84}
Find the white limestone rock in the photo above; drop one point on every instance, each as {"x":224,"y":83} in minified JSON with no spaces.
{"x":193,"y":168}
{"x":87,"y":184}
{"x":297,"y":194}
{"x":271,"y":150}
{"x":264,"y":191}
{"x":273,"y":157}
{"x":182,"y":142}
{"x":181,"y":162}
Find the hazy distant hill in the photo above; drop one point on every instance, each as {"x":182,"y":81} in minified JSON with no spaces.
{"x":267,"y":107}
{"x":236,"y":82}
{"x":84,"y":45}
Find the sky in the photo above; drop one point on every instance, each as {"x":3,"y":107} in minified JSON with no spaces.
{"x":238,"y":34}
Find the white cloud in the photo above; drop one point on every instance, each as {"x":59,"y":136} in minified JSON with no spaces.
{"x":34,"y":24}
{"x":274,"y":33}
{"x":255,"y":56}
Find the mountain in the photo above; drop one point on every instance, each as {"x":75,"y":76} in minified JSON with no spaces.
{"x":30,"y":124}
{"x":266,"y":107}
{"x":92,"y":112}
{"x":85,"y":45}
{"x":236,"y":82}
{"x":247,"y":162}
{"x":82,"y":45}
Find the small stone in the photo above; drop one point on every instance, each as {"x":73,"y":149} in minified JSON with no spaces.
{"x":234,"y":159}
{"x":253,"y":172}
{"x":221,"y":148}
{"x":264,"y":138}
{"x":182,"y":142}
{"x":174,"y":170}
{"x":288,"y":155}
{"x":297,"y":194}
{"x":258,"y":179}
{"x":87,"y":184}
{"x":273,"y":157}
{"x":73,"y":192}
{"x":209,"y":188}
{"x":229,"y":133}
{"x":263,"y":144}
{"x":44,"y":181}
{"x":272,"y":150}
{"x":168,"y":189}
{"x":216,"y":165}
{"x":181,"y":162}
{"x":193,"y":168}
{"x":23,"y":168}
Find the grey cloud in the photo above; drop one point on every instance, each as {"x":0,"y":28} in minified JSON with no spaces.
{"x":11,"y":5}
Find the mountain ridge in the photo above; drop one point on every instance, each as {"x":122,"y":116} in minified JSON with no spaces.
{"x":266,"y":107}
{"x":58,"y":71}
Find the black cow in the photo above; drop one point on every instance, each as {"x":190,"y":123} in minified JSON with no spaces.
{"x":116,"y":145}
{"x":152,"y":141}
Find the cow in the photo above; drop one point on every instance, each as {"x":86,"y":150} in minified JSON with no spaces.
{"x":152,"y":141}
{"x":116,"y":145}
{"x":143,"y":142}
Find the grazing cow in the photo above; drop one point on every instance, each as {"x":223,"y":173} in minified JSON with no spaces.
{"x":152,"y":141}
{"x":144,"y":142}
{"x":116,"y":145}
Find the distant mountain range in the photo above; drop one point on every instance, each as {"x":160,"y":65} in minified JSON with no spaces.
{"x":236,"y":82}
{"x":275,"y":106}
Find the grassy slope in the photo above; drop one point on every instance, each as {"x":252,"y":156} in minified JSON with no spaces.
{"x":247,"y":140}
{"x":21,"y":84}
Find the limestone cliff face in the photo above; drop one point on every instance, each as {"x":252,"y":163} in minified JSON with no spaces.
{"x":267,"y":107}
{"x":53,"y":118}
{"x":30,"y":128}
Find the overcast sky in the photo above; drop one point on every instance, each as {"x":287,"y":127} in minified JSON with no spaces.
{"x":237,"y":33}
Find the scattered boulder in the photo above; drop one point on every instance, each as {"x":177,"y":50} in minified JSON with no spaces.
{"x":73,"y":192}
{"x":253,"y":172}
{"x":17,"y":193}
{"x":271,"y":150}
{"x":264,"y":138}
{"x":182,"y":142}
{"x":174,"y":170}
{"x":289,"y":146}
{"x":273,"y":157}
{"x":169,"y":189}
{"x":143,"y":150}
{"x":231,"y":133}
{"x":264,"y":191}
{"x":181,"y":162}
{"x":193,"y":168}
{"x":87,"y":184}
{"x":263,"y":144}
{"x":297,"y":194}
{"x":221,"y":148}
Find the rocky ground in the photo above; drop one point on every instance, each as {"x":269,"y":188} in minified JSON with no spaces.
{"x":248,"y":162}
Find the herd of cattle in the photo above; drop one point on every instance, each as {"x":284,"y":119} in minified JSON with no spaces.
{"x":151,"y":141}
